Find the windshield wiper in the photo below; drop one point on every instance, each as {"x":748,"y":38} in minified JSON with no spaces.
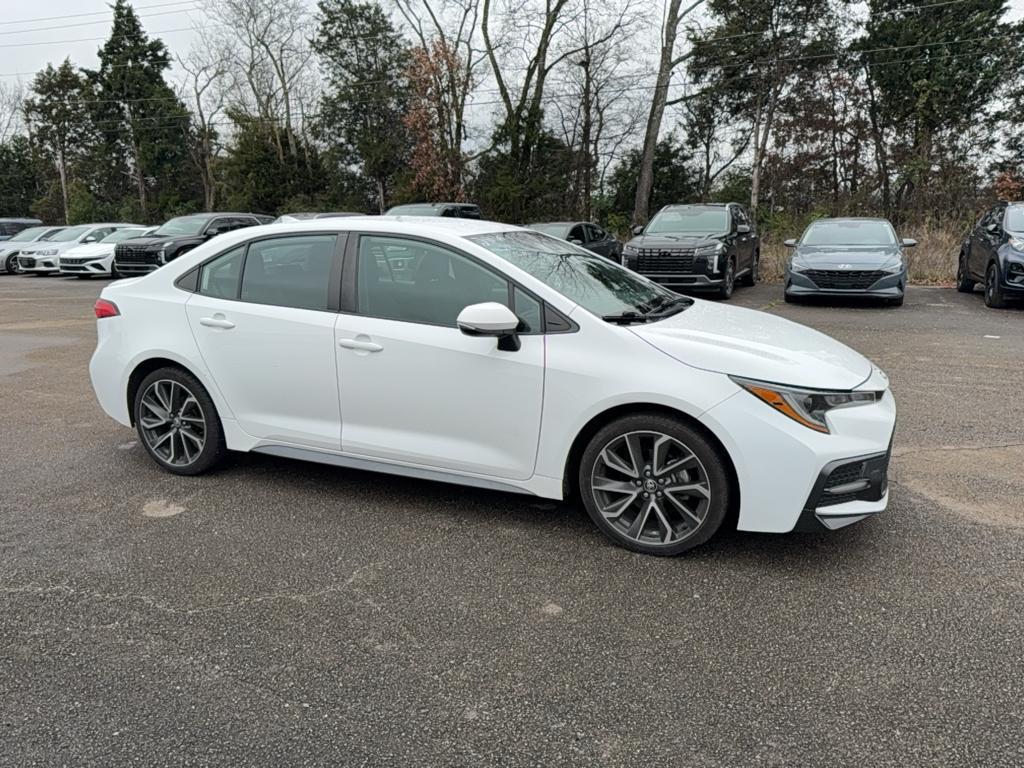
{"x":627,"y":318}
{"x":671,"y":306}
{"x":660,"y":308}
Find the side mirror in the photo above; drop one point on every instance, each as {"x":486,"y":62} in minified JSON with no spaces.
{"x":743,"y":229}
{"x":90,"y":239}
{"x":909,"y":242}
{"x":638,"y":230}
{"x":491,"y":319}
{"x":993,"y":227}
{"x":791,"y":243}
{"x":213,"y":232}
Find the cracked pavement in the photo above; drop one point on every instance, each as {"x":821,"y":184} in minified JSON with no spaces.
{"x":281,"y":613}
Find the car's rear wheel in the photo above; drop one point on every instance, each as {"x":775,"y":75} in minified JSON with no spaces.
{"x":729,"y":280}
{"x":993,"y":290}
{"x":653,"y":484}
{"x":751,"y":278}
{"x":964,"y":283}
{"x":177,"y":422}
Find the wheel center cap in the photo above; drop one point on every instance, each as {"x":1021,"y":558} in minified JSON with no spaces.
{"x":650,"y":485}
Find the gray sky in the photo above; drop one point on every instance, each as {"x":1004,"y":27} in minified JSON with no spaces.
{"x":34,"y":32}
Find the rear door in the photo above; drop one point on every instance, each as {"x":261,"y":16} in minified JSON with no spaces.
{"x":263,"y":318}
{"x":417,"y":390}
{"x":744,"y":241}
{"x":986,"y":240}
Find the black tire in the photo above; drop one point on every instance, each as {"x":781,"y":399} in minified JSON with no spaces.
{"x":82,"y":277}
{"x":684,"y":530}
{"x":964,"y":283}
{"x":11,"y":265}
{"x":750,"y":279}
{"x":994,"y":297}
{"x":729,"y":284}
{"x":184,"y":417}
{"x":790,"y":299}
{"x":114,"y":274}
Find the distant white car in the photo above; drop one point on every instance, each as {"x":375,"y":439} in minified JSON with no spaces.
{"x":9,"y":249}
{"x":492,"y":356}
{"x":43,"y":258}
{"x":98,"y":258}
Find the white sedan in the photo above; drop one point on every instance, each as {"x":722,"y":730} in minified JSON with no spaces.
{"x":493,"y":356}
{"x":43,"y":258}
{"x":97,"y":258}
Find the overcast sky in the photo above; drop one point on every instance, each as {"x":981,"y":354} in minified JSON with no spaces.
{"x":34,"y":32}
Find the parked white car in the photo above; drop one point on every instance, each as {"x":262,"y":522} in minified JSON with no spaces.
{"x":9,"y":249}
{"x":98,"y":258}
{"x":493,"y":356}
{"x":43,"y":258}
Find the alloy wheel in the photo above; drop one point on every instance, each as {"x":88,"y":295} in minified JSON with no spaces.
{"x":13,"y":268}
{"x":172,"y":423}
{"x":651,"y":488}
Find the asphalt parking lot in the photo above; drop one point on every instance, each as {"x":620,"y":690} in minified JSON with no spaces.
{"x":281,"y":613}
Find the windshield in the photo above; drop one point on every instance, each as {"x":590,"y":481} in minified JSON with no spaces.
{"x":183,"y":225}
{"x":687,"y":221}
{"x":849,"y":232}
{"x":27,"y":235}
{"x":123,"y":234}
{"x":555,"y":230}
{"x":595,"y":283}
{"x":414,"y":210}
{"x":71,"y":233}
{"x":1015,"y":218}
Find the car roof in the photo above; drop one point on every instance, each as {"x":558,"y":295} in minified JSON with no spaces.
{"x":556,"y":223}
{"x":850,"y":218}
{"x":19,"y":219}
{"x":424,"y":225}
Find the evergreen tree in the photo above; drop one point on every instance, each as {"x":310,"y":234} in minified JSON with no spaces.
{"x":364,"y":60}
{"x":145,"y":127}
{"x":58,"y":122}
{"x":19,"y":183}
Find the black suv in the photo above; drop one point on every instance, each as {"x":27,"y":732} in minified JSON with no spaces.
{"x":177,"y":236}
{"x":697,"y":247}
{"x":993,"y":254}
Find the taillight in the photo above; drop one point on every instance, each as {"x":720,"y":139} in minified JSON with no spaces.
{"x":104,"y":308}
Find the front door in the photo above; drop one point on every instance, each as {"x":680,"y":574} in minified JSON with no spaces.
{"x":414,"y":388}
{"x":261,"y":321}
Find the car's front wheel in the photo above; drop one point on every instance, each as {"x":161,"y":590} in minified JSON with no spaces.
{"x":653,"y":484}
{"x":993,"y":290}
{"x":177,"y":422}
{"x":728,"y":280}
{"x":12,"y":265}
{"x":751,"y":278}
{"x":964,"y":283}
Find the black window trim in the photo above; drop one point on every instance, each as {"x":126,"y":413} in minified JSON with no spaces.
{"x":189,"y":282}
{"x":350,"y":281}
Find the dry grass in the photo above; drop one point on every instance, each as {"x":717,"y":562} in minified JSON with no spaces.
{"x":932,"y":262}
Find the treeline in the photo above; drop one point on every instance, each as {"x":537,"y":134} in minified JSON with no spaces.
{"x":560,"y":109}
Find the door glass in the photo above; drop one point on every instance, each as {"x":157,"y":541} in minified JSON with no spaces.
{"x":219,"y":277}
{"x":418,"y":282}
{"x":529,"y":311}
{"x":576,"y":233}
{"x":289,"y":271}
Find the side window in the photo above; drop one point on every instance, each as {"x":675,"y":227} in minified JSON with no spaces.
{"x":98,"y":234}
{"x":450,"y":213}
{"x":289,"y":271}
{"x":219,"y":277}
{"x":222,"y":224}
{"x":594,"y":233}
{"x":529,"y":311}
{"x":576,"y":233}
{"x":418,"y":282}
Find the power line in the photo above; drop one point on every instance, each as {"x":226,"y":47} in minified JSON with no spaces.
{"x":188,"y":8}
{"x":94,"y":39}
{"x":93,"y":13}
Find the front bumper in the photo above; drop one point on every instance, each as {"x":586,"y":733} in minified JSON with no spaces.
{"x":692,"y":282}
{"x":135,"y":268}
{"x":780,"y":464}
{"x":83,"y":266}
{"x":888,"y":287}
{"x":39,"y":264}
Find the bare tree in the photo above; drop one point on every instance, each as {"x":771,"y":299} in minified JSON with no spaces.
{"x":12,"y":110}
{"x":204,"y":89}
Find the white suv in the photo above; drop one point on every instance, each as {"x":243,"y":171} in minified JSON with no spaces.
{"x":43,"y":258}
{"x":493,"y":356}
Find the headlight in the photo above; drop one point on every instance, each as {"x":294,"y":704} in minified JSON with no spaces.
{"x":711,"y":253}
{"x":806,"y":406}
{"x":795,"y":266}
{"x":893,"y":268}
{"x":161,"y":255}
{"x":47,"y":252}
{"x":629,"y":250}
{"x":1017,"y":243}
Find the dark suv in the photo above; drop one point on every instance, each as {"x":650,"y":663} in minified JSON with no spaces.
{"x":10,"y":227}
{"x":177,"y":236}
{"x":697,"y":247}
{"x":993,"y":254}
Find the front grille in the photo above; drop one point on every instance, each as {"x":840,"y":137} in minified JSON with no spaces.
{"x":128,"y":254}
{"x":26,"y":263}
{"x":665,"y":261}
{"x":66,"y":261}
{"x":844,"y":279}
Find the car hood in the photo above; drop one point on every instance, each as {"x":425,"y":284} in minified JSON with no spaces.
{"x":756,"y":345}
{"x":673,"y":241}
{"x":61,"y":247}
{"x":837,"y":256}
{"x":92,"y":249}
{"x":146,"y":241}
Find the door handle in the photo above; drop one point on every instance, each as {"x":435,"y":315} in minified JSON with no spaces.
{"x":217,"y":321}
{"x":362,"y":346}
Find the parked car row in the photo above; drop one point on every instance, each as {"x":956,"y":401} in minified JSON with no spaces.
{"x":685,"y":247}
